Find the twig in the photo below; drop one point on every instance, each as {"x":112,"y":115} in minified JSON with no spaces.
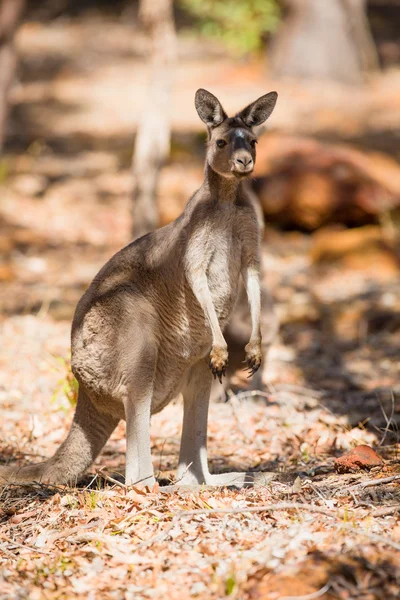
{"x":90,"y":482}
{"x":388,"y":421}
{"x":110,"y":479}
{"x":249,"y":394}
{"x":7,"y":552}
{"x":246,"y":509}
{"x":255,"y":509}
{"x":385,"y":512}
{"x":311,"y":596}
{"x":300,"y":390}
{"x":184,"y":473}
{"x":373,"y":482}
{"x":26,"y":547}
{"x":374,"y":537}
{"x":319,"y":493}
{"x":34,"y":485}
{"x":119,"y":483}
{"x":352,"y":494}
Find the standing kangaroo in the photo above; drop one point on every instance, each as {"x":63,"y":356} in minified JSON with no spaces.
{"x":150,"y":325}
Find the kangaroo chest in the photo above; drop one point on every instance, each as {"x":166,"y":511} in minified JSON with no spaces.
{"x":223,"y":270}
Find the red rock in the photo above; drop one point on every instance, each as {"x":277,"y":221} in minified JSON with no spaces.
{"x":360,"y":458}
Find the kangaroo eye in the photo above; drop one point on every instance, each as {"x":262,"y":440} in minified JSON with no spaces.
{"x":253,"y":143}
{"x":221,"y":143}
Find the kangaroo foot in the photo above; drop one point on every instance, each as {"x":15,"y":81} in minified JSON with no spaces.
{"x":233,"y":479}
{"x":239,"y":480}
{"x":218,"y":361}
{"x":221,"y":479}
{"x":253,"y":357}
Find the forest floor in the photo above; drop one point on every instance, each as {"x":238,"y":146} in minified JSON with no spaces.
{"x":331,"y":378}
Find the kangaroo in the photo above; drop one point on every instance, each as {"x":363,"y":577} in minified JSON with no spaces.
{"x":150,"y":324}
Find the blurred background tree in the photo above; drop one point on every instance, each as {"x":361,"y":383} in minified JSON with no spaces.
{"x":241,"y":25}
{"x":324,"y":40}
{"x":10,"y":16}
{"x":152,"y":143}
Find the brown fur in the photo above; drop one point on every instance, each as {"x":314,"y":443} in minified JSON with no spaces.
{"x":150,"y":325}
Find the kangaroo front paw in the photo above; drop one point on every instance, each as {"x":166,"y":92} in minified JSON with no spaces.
{"x":218,"y":361}
{"x":253,"y":357}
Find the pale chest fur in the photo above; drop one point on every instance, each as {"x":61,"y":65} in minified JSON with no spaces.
{"x":222,"y":256}
{"x":223,"y":273}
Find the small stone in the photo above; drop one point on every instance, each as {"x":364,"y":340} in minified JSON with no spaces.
{"x":30,"y":185}
{"x":197,"y":588}
{"x":360,"y":458}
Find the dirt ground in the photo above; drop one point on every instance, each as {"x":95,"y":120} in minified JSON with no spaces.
{"x":331,"y":378}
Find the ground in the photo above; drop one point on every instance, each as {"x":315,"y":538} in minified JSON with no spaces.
{"x":331,"y":378}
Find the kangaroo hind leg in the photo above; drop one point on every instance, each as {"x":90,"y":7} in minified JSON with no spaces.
{"x":193,"y":464}
{"x":139,"y":466}
{"x":90,"y":430}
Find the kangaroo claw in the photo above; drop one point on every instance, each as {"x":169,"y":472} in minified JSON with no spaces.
{"x":253,"y":358}
{"x":218,"y":362}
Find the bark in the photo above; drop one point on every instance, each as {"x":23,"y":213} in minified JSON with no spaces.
{"x":10,"y":15}
{"x":360,"y":30}
{"x":153,"y":134}
{"x":324,"y":40}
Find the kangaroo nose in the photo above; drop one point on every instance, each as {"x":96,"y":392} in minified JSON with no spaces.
{"x":245,"y":161}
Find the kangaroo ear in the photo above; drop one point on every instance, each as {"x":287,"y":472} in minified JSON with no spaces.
{"x":209,"y":108}
{"x":257,"y":112}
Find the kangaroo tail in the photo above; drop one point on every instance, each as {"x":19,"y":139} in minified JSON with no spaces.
{"x":89,"y":432}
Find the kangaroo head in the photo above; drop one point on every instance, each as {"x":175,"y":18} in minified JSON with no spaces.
{"x":232,"y":142}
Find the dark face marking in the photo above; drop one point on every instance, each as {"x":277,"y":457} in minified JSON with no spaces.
{"x":231,"y":148}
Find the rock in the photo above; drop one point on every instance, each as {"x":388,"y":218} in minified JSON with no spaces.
{"x":314,"y":198}
{"x":360,"y":458}
{"x":307,"y":183}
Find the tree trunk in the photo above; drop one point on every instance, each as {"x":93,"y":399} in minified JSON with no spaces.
{"x":153,"y":133}
{"x":10,"y":14}
{"x":324,"y":40}
{"x":360,"y":30}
